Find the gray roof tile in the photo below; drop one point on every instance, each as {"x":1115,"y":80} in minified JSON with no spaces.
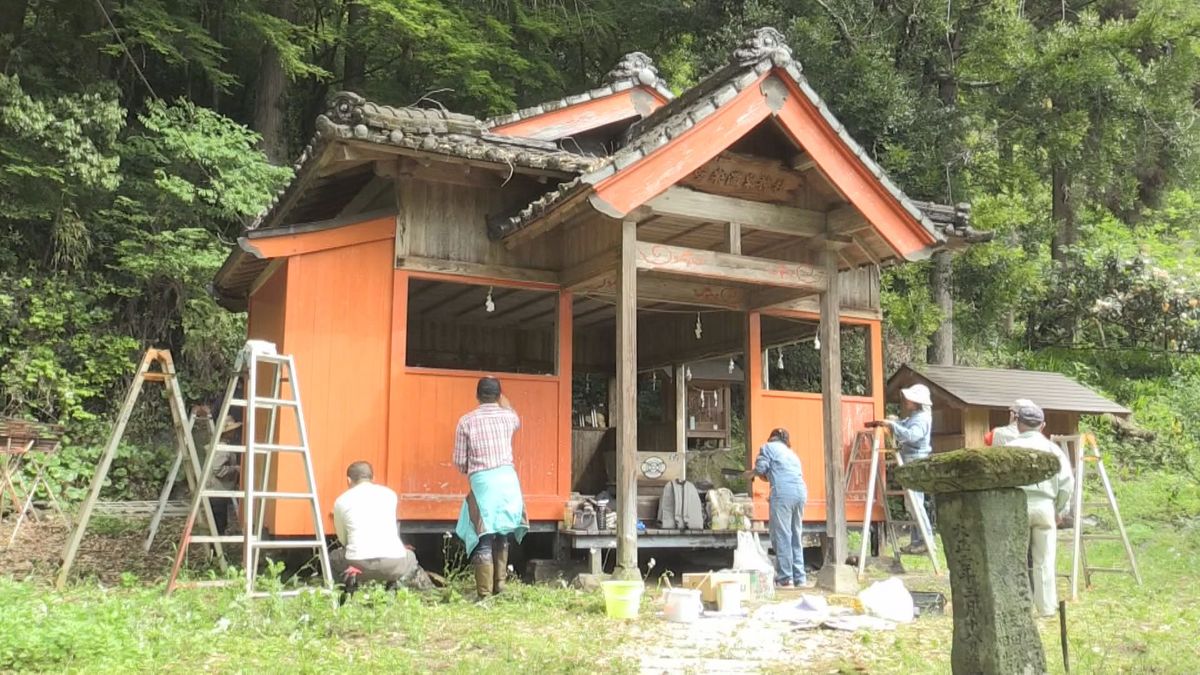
{"x":998,"y":388}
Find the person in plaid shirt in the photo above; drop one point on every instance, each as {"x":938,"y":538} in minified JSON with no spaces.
{"x":494,"y":508}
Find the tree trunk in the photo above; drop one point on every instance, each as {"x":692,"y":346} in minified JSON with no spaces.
{"x":355,"y":68}
{"x":12,"y":23}
{"x":941,"y":344}
{"x":270,"y":119}
{"x":1062,"y":212}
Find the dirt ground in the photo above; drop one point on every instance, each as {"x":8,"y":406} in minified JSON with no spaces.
{"x":110,"y":548}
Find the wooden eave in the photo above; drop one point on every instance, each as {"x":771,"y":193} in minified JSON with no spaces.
{"x":878,"y":221}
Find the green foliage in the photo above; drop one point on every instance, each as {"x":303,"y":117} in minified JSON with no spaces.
{"x":113,"y":233}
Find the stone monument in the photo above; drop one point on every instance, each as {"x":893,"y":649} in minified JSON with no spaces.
{"x":982,"y":517}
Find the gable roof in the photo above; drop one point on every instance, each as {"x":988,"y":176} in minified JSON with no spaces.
{"x":764,"y":63}
{"x":633,"y":73}
{"x":998,"y":388}
{"x":353,"y":132}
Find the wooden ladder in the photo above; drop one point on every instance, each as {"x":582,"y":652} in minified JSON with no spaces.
{"x":1084,"y":450}
{"x":256,"y":493}
{"x":880,"y":458}
{"x":184,"y":447}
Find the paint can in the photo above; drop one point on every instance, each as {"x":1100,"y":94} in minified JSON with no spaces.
{"x":682,"y":605}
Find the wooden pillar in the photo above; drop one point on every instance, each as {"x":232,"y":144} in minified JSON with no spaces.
{"x":681,"y":411}
{"x":627,"y":558}
{"x":733,"y":238}
{"x":753,"y":373}
{"x":831,"y":400}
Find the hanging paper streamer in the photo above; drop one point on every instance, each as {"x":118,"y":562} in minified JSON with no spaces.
{"x":817,"y":342}
{"x":779,"y":365}
{"x":731,"y":366}
{"x":699,"y":326}
{"x":488,"y":304}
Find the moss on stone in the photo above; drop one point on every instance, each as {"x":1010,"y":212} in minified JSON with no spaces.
{"x":972,"y":469}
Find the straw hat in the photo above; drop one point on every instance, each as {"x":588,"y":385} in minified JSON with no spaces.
{"x":918,"y":393}
{"x":230,"y":425}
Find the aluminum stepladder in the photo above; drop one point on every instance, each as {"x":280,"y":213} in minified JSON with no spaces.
{"x":184,"y":447}
{"x":1084,"y":450}
{"x":255,"y":492}
{"x":882,"y":456}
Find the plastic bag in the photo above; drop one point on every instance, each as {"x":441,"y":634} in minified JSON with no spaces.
{"x":750,"y":555}
{"x":888,"y":600}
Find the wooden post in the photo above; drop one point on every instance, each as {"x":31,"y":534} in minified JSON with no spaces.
{"x":733,"y":238}
{"x":627,"y":558}
{"x":831,"y":400}
{"x":681,"y":411}
{"x":753,"y":378}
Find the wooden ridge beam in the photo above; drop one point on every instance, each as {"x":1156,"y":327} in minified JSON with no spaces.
{"x":685,"y":203}
{"x":477,"y":270}
{"x":770,"y":297}
{"x":653,"y":257}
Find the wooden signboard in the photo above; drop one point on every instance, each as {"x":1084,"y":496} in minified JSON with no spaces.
{"x":754,"y":178}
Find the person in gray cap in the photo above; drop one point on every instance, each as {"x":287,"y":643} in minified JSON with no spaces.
{"x":1001,"y":436}
{"x":1047,"y":502}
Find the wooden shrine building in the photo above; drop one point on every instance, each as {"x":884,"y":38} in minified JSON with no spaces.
{"x":617,"y":231}
{"x":969,"y":402}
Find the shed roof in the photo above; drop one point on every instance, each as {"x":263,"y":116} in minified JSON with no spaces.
{"x":998,"y":388}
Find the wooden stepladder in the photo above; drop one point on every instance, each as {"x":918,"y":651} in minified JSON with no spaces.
{"x":281,"y":405}
{"x":27,"y":443}
{"x":1084,"y":451}
{"x":871,"y":449}
{"x":186,"y":450}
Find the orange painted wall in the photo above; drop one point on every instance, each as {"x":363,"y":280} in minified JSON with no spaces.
{"x":800,"y":414}
{"x":425,"y":410}
{"x":338,"y":325}
{"x":267,"y":308}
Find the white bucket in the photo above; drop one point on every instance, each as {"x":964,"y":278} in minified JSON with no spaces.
{"x":682,"y":605}
{"x":729,"y":596}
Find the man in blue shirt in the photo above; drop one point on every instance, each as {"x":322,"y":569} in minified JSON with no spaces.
{"x":778,"y":464}
{"x":913,"y":436}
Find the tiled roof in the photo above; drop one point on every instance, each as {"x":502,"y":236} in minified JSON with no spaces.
{"x":351,"y":117}
{"x":998,"y":388}
{"x":634,"y":69}
{"x":761,"y":51}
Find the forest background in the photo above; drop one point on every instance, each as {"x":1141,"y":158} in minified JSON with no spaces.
{"x":137,"y":138}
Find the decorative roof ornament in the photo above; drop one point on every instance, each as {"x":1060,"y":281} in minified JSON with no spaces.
{"x":762,"y":44}
{"x":634,"y":66}
{"x":345,"y":107}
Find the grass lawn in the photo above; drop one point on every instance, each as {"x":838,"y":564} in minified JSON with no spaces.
{"x":126,"y":625}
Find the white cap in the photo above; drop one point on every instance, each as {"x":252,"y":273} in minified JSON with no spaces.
{"x":1020,"y":403}
{"x":918,"y":393}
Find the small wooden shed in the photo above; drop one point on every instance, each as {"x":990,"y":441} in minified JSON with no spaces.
{"x":968,"y":402}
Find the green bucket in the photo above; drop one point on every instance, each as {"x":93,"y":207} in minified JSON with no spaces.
{"x":622,"y":599}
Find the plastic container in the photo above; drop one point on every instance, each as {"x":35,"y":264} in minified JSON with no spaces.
{"x":928,"y":603}
{"x":622,"y":599}
{"x":729,"y":596}
{"x":682,"y":605}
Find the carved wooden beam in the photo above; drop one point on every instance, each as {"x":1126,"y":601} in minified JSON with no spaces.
{"x":685,"y":203}
{"x":727,"y":267}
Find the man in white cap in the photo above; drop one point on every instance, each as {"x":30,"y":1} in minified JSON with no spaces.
{"x":1047,"y":502}
{"x":913,"y":436}
{"x":1001,"y":436}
